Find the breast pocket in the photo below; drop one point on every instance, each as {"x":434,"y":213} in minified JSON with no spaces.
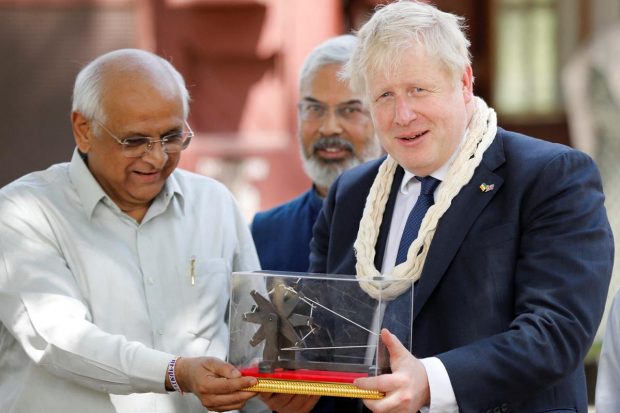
{"x":207,"y":293}
{"x":491,"y":245}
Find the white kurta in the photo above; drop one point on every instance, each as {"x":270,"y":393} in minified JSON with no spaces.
{"x":93,"y":303}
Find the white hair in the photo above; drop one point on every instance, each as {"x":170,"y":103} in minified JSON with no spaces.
{"x":335,"y":50}
{"x":88,"y":88}
{"x":399,"y":26}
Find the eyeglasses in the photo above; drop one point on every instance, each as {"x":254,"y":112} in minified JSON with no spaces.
{"x":349,"y":112}
{"x":138,"y":146}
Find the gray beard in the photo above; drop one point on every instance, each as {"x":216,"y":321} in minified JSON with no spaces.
{"x":324,"y":173}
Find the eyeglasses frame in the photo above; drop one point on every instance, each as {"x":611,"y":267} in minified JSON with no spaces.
{"x":149,"y":145}
{"x":328,"y":108}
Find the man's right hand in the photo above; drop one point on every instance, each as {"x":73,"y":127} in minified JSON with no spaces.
{"x":216,"y":383}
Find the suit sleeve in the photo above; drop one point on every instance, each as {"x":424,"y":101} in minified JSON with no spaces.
{"x":561,"y":276}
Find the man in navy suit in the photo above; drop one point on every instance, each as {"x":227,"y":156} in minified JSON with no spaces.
{"x":512,"y":259}
{"x":335,"y":134}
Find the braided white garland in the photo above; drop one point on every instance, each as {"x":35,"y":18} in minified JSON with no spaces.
{"x":480,"y":135}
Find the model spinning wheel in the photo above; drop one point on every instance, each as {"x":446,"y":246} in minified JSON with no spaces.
{"x":279,"y":326}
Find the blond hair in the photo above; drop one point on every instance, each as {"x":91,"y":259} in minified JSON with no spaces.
{"x":399,"y":26}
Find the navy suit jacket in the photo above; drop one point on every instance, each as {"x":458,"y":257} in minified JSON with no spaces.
{"x":282,"y":234}
{"x":514,"y":284}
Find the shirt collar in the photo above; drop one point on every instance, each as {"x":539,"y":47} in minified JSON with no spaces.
{"x":172,"y":190}
{"x":439,"y":174}
{"x":316,"y":200}
{"x":90,"y":192}
{"x":86,"y":186}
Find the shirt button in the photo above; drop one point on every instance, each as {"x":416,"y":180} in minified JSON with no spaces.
{"x":160,"y":332}
{"x":151,"y":281}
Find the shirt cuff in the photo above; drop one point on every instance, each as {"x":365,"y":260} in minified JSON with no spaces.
{"x":149,"y":369}
{"x":443,"y":399}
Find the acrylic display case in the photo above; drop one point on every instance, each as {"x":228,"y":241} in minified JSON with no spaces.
{"x":302,"y":333}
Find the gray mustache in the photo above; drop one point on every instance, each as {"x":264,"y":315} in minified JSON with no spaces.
{"x":331,"y":141}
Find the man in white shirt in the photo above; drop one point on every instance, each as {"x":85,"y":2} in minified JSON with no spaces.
{"x":114,"y":268}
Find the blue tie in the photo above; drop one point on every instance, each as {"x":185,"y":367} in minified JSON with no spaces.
{"x":414,"y":220}
{"x":397,"y":312}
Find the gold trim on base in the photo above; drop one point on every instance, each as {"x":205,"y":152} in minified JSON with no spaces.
{"x":313,"y":388}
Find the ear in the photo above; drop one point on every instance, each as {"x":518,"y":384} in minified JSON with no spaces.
{"x":82,"y":132}
{"x":467,"y":84}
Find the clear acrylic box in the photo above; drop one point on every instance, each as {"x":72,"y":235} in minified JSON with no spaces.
{"x":303,"y":333}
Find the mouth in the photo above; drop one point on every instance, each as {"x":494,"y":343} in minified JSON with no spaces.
{"x":147,"y":177}
{"x":332,"y":149}
{"x":409,"y":138}
{"x":333,"y":153}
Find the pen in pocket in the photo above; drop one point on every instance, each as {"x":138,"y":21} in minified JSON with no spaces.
{"x":192,"y":269}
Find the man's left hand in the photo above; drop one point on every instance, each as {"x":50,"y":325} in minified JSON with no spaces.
{"x":217,"y":384}
{"x":406,"y":388}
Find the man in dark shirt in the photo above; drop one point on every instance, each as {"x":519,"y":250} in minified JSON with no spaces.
{"x":335,"y":133}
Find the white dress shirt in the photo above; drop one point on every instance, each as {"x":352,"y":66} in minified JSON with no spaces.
{"x":443,"y":399}
{"x":93,"y":304}
{"x":607,"y":399}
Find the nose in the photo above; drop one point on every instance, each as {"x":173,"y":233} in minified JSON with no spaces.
{"x":156,"y":155}
{"x":404,"y":113}
{"x":330,"y":124}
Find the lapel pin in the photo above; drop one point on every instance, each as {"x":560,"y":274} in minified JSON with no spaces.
{"x":486,"y":187}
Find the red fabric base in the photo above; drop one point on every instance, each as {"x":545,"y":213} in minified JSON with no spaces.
{"x":305,"y":375}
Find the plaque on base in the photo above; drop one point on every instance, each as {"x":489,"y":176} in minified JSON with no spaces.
{"x":312,"y":334}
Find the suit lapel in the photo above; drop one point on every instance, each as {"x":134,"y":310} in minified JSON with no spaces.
{"x":456,"y":222}
{"x":387,"y":217}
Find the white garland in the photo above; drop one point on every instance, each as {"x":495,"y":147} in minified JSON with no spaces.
{"x":480,"y":135}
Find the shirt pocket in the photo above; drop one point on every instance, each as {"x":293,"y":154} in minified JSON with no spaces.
{"x":207,"y":292}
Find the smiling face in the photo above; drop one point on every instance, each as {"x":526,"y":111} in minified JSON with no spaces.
{"x":420,"y":111}
{"x":335,"y":130}
{"x":140,"y":103}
